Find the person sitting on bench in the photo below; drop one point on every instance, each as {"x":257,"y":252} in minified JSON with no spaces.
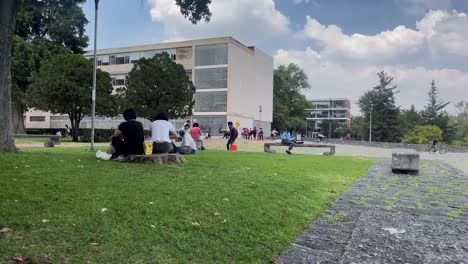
{"x":128,"y":137}
{"x":287,"y":139}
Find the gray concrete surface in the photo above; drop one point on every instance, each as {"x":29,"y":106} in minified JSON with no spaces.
{"x":391,"y":218}
{"x":458,"y":160}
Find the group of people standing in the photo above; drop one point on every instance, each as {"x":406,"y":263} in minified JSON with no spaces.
{"x":129,"y":137}
{"x":251,"y":134}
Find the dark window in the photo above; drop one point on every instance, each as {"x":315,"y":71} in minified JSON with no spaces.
{"x":189,"y":74}
{"x":211,"y":102}
{"x":119,"y":60}
{"x":211,"y":55}
{"x":119,"y":82}
{"x":213,"y":78}
{"x":37,"y":118}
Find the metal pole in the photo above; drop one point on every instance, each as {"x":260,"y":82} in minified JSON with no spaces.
{"x":259,"y":121}
{"x":93,"y":97}
{"x":307,"y":134}
{"x":370,"y":124}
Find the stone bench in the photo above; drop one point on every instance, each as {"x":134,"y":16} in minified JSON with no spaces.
{"x":405,"y":161}
{"x":53,"y":139}
{"x":267,"y":147}
{"x":157,"y":158}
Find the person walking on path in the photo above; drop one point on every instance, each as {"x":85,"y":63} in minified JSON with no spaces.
{"x":232,"y":136}
{"x":287,"y":139}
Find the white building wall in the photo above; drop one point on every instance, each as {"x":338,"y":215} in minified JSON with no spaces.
{"x":36,"y":124}
{"x":250,"y":85}
{"x":264,"y":85}
{"x":241,"y":83}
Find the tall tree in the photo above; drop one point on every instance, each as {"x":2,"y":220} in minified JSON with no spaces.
{"x":333,"y":129}
{"x":8,"y":9}
{"x":195,"y":10}
{"x":434,"y":113}
{"x":42,"y":28}
{"x":289,"y":102}
{"x":409,"y":119}
{"x":359,"y":127}
{"x":159,"y":84}
{"x":460,"y":123}
{"x":462,"y":108}
{"x":63,"y":86}
{"x":381,"y":102}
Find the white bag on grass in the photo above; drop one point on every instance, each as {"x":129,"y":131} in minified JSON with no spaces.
{"x":103,"y":155}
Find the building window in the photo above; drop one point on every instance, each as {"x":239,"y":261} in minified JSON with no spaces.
{"x":37,"y":118}
{"x":184,"y":53}
{"x":211,"y":55}
{"x":211,"y":102}
{"x":189,"y":74}
{"x":99,"y":62}
{"x":212,"y":123}
{"x":213,"y":78}
{"x":119,"y":60}
{"x":119,"y":82}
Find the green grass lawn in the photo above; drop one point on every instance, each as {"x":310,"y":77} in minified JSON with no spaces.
{"x":219,"y":207}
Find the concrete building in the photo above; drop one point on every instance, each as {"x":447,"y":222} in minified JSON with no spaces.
{"x":338,"y":109}
{"x":233,"y":82}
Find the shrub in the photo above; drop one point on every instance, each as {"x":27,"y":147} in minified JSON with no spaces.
{"x":423,"y":134}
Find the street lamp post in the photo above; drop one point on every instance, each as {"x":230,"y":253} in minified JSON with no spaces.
{"x":370,"y":124}
{"x":93,"y":96}
{"x":259,"y":120}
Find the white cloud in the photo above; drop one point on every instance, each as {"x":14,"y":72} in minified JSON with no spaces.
{"x":333,"y":79}
{"x":246,"y":20}
{"x":384,"y":45}
{"x":345,"y":65}
{"x":445,"y":31}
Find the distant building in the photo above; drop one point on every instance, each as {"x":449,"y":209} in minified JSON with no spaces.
{"x":338,"y":109}
{"x":233,"y":82}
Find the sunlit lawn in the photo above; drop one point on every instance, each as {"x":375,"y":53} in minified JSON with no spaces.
{"x":219,"y":207}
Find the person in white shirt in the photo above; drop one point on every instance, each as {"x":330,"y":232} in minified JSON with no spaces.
{"x":188,"y":145}
{"x":162,"y":131}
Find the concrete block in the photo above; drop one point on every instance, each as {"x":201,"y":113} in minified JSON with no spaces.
{"x":405,"y":160}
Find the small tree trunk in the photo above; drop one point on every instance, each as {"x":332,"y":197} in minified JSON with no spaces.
{"x":8,"y":10}
{"x":17,"y":117}
{"x":75,"y":125}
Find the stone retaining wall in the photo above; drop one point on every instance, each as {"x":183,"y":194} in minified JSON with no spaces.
{"x":388,"y":145}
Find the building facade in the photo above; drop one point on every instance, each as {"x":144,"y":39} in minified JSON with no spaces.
{"x":233,"y":82}
{"x":338,"y":109}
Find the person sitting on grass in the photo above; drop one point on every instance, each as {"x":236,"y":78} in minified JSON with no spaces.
{"x":188,"y":145}
{"x":196,"y":134}
{"x":162,"y":131}
{"x":128,"y":137}
{"x":287,"y":139}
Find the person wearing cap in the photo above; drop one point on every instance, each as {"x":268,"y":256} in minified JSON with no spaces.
{"x":188,"y":145}
{"x":232,"y":135}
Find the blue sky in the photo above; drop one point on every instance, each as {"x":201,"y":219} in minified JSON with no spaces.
{"x":340,"y":44}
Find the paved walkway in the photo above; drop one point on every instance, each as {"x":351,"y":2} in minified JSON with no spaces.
{"x":458,"y":160}
{"x":392,"y":218}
